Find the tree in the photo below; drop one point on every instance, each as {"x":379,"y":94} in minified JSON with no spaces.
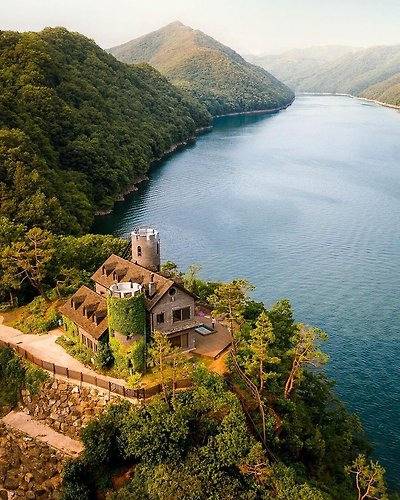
{"x":259,"y":363}
{"x":159,"y":351}
{"x":179,"y":367}
{"x":170,"y":270}
{"x":305,"y":351}
{"x":191,"y":278}
{"x":229,"y":300}
{"x":29,"y":259}
{"x":170,"y":362}
{"x":369,"y":479}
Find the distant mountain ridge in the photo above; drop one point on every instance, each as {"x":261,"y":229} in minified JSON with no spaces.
{"x":211,"y":72}
{"x":372,"y":72}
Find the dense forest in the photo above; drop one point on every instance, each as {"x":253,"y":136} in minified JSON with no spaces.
{"x":270,"y":428}
{"x":373,"y":73}
{"x":77,"y":127}
{"x":213,"y":73}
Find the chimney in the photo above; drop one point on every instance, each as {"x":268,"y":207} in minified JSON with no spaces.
{"x":151,"y":286}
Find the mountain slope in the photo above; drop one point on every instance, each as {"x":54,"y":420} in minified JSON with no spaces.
{"x":387,"y":91}
{"x":372,"y":72}
{"x":78,"y":127}
{"x":293,"y":66}
{"x":210,"y":71}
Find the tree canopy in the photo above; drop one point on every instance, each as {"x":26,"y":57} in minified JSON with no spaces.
{"x":77,"y":127}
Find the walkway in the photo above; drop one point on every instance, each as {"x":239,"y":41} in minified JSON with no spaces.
{"x":24,"y":423}
{"x":45,"y":347}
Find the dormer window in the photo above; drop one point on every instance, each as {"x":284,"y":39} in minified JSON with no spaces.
{"x":139,"y":251}
{"x":172,"y":291}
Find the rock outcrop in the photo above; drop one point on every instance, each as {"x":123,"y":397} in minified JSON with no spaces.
{"x":28,"y":469}
{"x":65,"y":407}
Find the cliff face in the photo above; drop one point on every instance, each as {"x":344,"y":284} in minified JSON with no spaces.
{"x":211,"y":72}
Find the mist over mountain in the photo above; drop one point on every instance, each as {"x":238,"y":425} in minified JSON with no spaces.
{"x":372,"y":72}
{"x":211,"y":72}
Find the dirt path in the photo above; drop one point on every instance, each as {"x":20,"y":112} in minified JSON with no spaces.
{"x":45,"y":348}
{"x":24,"y":423}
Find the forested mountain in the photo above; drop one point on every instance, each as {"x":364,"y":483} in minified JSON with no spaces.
{"x":387,"y":91}
{"x":373,"y":73}
{"x":293,"y":66}
{"x":210,"y":71}
{"x":77,"y":127}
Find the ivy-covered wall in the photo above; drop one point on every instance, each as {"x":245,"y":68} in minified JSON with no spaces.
{"x":127,"y":315}
{"x":70,"y":326}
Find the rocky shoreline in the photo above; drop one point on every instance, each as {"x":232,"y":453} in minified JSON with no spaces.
{"x":173,"y":149}
{"x":266,"y":111}
{"x":180,"y":145}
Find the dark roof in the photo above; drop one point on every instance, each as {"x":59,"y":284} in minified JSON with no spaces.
{"x":88,"y":310}
{"x":116,"y":269}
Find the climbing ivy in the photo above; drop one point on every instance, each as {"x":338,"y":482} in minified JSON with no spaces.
{"x":127,"y":315}
{"x":70,"y":326}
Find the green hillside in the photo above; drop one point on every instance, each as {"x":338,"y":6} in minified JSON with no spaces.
{"x":77,"y":127}
{"x":295,"y":65}
{"x":372,"y":72}
{"x":210,"y":71}
{"x":387,"y":91}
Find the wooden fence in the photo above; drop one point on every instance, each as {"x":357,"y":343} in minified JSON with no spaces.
{"x":98,"y":381}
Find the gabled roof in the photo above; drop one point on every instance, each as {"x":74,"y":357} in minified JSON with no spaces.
{"x":88,"y":310}
{"x":116,"y":269}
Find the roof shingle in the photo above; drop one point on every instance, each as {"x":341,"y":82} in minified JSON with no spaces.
{"x":88,"y":310}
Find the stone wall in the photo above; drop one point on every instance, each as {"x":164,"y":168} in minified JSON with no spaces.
{"x":29,"y":469}
{"x":66,"y":407}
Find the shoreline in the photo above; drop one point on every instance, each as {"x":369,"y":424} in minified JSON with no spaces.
{"x":257,"y":111}
{"x":134,"y":185}
{"x":335,"y":94}
{"x":178,"y":146}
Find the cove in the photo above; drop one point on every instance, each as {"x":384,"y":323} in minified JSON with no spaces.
{"x":306,"y":205}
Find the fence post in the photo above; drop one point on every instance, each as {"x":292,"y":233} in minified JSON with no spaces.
{"x":109,"y":389}
{"x":123,"y":390}
{"x":81,"y":379}
{"x":54,"y":369}
{"x":67,"y":372}
{"x":95,"y":381}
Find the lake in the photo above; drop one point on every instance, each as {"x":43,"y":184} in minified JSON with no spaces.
{"x":306,"y":205}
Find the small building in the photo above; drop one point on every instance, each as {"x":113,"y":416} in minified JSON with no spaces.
{"x":131,"y":298}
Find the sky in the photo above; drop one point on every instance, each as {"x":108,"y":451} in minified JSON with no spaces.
{"x":248,"y":26}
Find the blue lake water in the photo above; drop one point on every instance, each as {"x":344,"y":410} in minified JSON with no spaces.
{"x":306,"y":205}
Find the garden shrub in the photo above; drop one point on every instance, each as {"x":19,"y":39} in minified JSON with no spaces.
{"x":38,"y":317}
{"x":15,"y":375}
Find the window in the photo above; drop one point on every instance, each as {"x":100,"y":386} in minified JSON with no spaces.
{"x":172,"y":291}
{"x":139,"y":251}
{"x":160,"y":318}
{"x":181,"y":314}
{"x":175,"y":341}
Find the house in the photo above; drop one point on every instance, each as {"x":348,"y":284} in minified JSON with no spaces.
{"x":132,"y":299}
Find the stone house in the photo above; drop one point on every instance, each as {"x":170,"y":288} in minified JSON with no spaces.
{"x":169,"y":307}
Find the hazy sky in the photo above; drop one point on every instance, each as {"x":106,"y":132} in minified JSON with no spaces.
{"x":246,"y":25}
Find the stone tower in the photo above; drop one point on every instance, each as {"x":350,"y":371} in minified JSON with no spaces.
{"x":146,"y":248}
